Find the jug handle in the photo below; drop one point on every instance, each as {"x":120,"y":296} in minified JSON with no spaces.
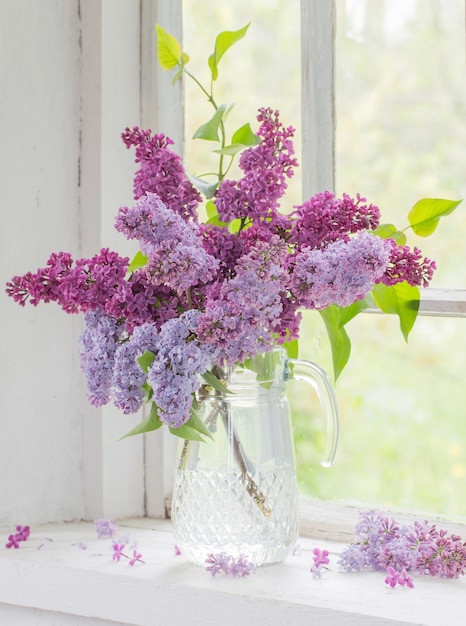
{"x":320,"y":381}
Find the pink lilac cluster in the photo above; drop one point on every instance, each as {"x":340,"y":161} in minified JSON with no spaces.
{"x":382,"y":543}
{"x":22,"y":534}
{"x":320,"y":561}
{"x":223,"y":563}
{"x":219,"y":292}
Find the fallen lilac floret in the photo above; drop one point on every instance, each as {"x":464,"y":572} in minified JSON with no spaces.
{"x":105,"y":528}
{"x":227,"y":564}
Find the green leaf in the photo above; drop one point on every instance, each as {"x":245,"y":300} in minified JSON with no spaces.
{"x":169,"y":52}
{"x":208,"y":189}
{"x":402,"y":300}
{"x":193,"y":429}
{"x":139,"y":260}
{"x":152,"y":422}
{"x":425,"y":214}
{"x":340,"y":343}
{"x":245,"y":136}
{"x":214,"y":382}
{"x":231,"y":150}
{"x":386,"y":231}
{"x":209,"y":130}
{"x":292,"y":348}
{"x":223,"y":42}
{"x":146,"y":359}
{"x":185,"y":432}
{"x":346,"y":314}
{"x":196,"y":423}
{"x":211,"y":209}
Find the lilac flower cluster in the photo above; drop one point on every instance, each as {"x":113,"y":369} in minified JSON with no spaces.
{"x":237,"y":322}
{"x":215,"y":293}
{"x":174,"y":375}
{"x":175,"y":254}
{"x":224,"y":563}
{"x":266,"y":168}
{"x":341,"y":273}
{"x":22,"y":534}
{"x":161,"y":172}
{"x":381,"y":543}
{"x":99,"y":342}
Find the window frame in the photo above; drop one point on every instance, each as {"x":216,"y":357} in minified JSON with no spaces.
{"x":161,"y":108}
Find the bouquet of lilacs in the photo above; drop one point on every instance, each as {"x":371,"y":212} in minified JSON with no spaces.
{"x":198,"y":297}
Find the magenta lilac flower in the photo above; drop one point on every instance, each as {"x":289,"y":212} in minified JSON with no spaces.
{"x":324,"y":218}
{"x":162,"y":172}
{"x":22,"y":534}
{"x":395,"y":578}
{"x":266,"y":168}
{"x":118,"y":551}
{"x":320,"y":561}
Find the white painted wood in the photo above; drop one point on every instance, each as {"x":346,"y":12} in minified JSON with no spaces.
{"x":41,"y":399}
{"x":110,"y":39}
{"x":70,"y":76}
{"x":62,"y":580}
{"x":317,"y":96}
{"x":162,"y":112}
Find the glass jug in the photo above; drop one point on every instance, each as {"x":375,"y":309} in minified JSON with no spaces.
{"x":237,"y":492}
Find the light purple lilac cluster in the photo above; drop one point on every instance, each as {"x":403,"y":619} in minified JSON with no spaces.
{"x":382,"y":543}
{"x":223,"y":563}
{"x":214,"y":293}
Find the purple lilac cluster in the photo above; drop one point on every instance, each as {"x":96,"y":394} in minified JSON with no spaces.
{"x":227,"y":564}
{"x":22,"y":534}
{"x":99,"y":342}
{"x":382,"y":543}
{"x":175,"y":256}
{"x":174,"y":375}
{"x":162,"y":172}
{"x":339,"y":274}
{"x":219,"y":292}
{"x":266,"y":168}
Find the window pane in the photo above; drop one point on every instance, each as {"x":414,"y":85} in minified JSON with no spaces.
{"x":403,"y":442}
{"x":401,"y":111}
{"x":261,"y":70}
{"x":403,"y":432}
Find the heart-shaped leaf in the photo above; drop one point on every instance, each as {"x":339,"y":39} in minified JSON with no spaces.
{"x":425,"y":214}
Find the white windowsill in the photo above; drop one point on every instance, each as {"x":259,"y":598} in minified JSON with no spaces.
{"x":61,"y":578}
